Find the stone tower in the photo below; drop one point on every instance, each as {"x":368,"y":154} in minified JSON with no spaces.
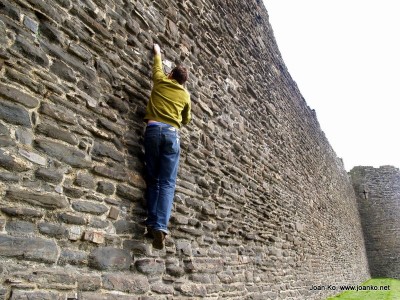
{"x":378,"y":197}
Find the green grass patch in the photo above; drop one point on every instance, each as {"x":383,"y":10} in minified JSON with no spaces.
{"x":373,"y":289}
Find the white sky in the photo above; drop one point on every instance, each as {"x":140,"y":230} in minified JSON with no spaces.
{"x":345,"y":58}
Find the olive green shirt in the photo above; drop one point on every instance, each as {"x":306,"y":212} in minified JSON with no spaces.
{"x":169,"y":101}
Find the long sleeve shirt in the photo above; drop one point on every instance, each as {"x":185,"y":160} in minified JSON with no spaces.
{"x":169,"y":101}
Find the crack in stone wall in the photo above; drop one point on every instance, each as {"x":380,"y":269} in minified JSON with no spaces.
{"x":263,"y":208}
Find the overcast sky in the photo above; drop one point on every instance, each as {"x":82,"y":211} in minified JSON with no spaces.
{"x":345,"y":58}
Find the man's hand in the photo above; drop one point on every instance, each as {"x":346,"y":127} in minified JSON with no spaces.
{"x":157,"y":49}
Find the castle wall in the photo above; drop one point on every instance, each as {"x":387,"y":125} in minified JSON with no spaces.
{"x":263,"y":208}
{"x":378,"y":197}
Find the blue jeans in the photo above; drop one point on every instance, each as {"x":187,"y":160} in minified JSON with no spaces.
{"x":162,"y":150}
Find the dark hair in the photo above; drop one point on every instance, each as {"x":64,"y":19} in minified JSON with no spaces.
{"x":180,"y":74}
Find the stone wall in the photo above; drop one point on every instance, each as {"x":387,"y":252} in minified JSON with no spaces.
{"x":263,"y":210}
{"x":378,"y":197}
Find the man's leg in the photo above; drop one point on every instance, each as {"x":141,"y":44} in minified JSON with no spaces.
{"x":169,"y":163}
{"x":152,"y":145}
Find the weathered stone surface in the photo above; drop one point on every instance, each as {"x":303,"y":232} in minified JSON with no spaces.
{"x":70,"y":60}
{"x":67,"y":154}
{"x":51,"y":11}
{"x":34,"y":249}
{"x":54,"y":278}
{"x":22,"y":212}
{"x":175,"y":271}
{"x":74,"y":233}
{"x":53,"y":230}
{"x":125,"y":227}
{"x":139,"y":248}
{"x":113,"y":214}
{"x":161,"y":288}
{"x":12,"y":163}
{"x":24,"y":136}
{"x":89,"y":207}
{"x":31,"y":51}
{"x":129,"y":193}
{"x":20,"y":228}
{"x":118,"y":104}
{"x":107,"y":296}
{"x":150,"y":266}
{"x":58,"y":113}
{"x":16,"y":95}
{"x":131,"y":283}
{"x":15,"y":114}
{"x":89,"y":283}
{"x":49,"y":201}
{"x":33,"y":157}
{"x":85,"y":180}
{"x":35,"y":295}
{"x":106,"y":188}
{"x":192,"y":290}
{"x":105,"y":150}
{"x":57,"y":133}
{"x":71,"y":219}
{"x":8,"y":177}
{"x":5,"y":137}
{"x":72,"y":257}
{"x":63,"y":71}
{"x":94,"y":236}
{"x":49,"y":175}
{"x":108,"y":258}
{"x":113,"y":172}
{"x":98,"y":223}
{"x":73,"y":192}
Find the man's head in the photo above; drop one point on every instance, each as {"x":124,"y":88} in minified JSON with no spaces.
{"x":179,"y":73}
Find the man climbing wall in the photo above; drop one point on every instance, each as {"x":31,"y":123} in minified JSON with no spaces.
{"x":168,"y":108}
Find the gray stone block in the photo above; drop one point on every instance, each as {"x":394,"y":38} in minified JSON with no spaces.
{"x":33,"y":249}
{"x":72,"y":219}
{"x":30,"y":50}
{"x":106,"y":150}
{"x":85,"y":180}
{"x":13,"y":163}
{"x":20,"y":228}
{"x":129,"y":193}
{"x":22,"y":212}
{"x":15,"y":114}
{"x":63,"y":71}
{"x":89,"y":207}
{"x":49,"y":175}
{"x":18,"y":96}
{"x":106,"y":188}
{"x":53,"y":230}
{"x":150,"y":266}
{"x":131,"y":283}
{"x":111,"y":259}
{"x":49,"y":201}
{"x":77,"y":258}
{"x":58,"y":133}
{"x":64,"y":153}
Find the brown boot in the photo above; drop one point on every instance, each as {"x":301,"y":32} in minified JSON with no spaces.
{"x":159,"y":239}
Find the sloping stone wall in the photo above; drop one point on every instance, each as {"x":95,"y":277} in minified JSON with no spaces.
{"x":263,"y":210}
{"x":378,"y":197}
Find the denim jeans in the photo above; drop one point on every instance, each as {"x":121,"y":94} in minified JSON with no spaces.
{"x":162,"y":150}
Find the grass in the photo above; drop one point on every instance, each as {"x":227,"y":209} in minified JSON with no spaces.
{"x":375,"y":289}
